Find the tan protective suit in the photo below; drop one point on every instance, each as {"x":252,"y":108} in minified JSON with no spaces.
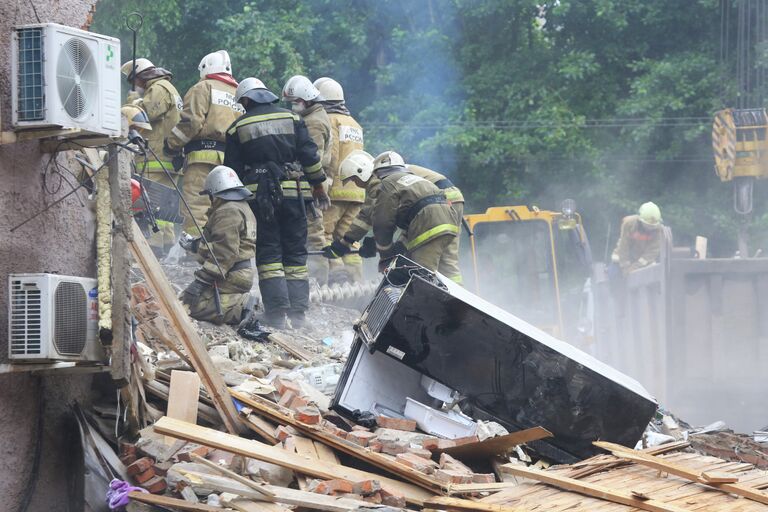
{"x":427,"y":230}
{"x":163,"y":105}
{"x":319,"y":128}
{"x":346,"y":198}
{"x":637,"y":247}
{"x":209,"y":109}
{"x":231,"y":233}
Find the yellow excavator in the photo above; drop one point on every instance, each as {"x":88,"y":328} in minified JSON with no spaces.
{"x":535,"y":263}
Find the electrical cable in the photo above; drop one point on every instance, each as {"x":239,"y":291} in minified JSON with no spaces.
{"x":37,"y":456}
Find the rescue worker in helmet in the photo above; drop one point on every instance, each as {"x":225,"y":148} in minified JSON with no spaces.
{"x":222,"y":285}
{"x":639,"y":244}
{"x":401,"y":199}
{"x":156,"y":95}
{"x":304,"y":99}
{"x":197,"y":142}
{"x":262,"y":147}
{"x":346,"y":197}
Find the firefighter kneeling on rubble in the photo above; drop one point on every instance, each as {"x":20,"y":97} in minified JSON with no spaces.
{"x":639,"y":244}
{"x":220,"y":291}
{"x":399,"y":199}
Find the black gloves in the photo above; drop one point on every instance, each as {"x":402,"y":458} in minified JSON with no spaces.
{"x":368,"y":247}
{"x":336,"y":250}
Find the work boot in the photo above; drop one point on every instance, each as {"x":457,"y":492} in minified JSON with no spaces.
{"x":298,"y":319}
{"x":275,"y":320}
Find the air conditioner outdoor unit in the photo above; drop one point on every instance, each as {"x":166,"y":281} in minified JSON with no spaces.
{"x":53,"y":318}
{"x":62,"y":77}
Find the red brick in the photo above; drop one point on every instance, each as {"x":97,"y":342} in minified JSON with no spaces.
{"x":285,"y":398}
{"x":418,"y":463}
{"x":391,"y":499}
{"x":225,"y":459}
{"x":156,"y":485}
{"x":443,"y":444}
{"x":290,"y":444}
{"x":429,"y":443}
{"x":361,"y":438}
{"x":184,"y":455}
{"x":374,"y":498}
{"x":140,"y":293}
{"x":366,"y":487}
{"x":394,"y":447}
{"x":333,"y":429}
{"x":375,"y":446}
{"x":421,"y":452}
{"x":297,"y":402}
{"x":449,"y":476}
{"x":331,"y":487}
{"x":465,"y":440}
{"x":129,"y":459}
{"x":396,"y":423}
{"x":140,"y":478}
{"x":483,"y":478}
{"x":282,"y":385}
{"x":284,"y":432}
{"x":309,"y":415}
{"x":448,"y":462}
{"x":161,"y":468}
{"x":140,"y":466}
{"x":127,"y":448}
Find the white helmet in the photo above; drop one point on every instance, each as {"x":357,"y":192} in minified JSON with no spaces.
{"x":330,"y":89}
{"x":299,"y":87}
{"x":254,"y":89}
{"x":358,"y":163}
{"x":223,"y":182}
{"x":141,"y":65}
{"x":216,"y":62}
{"x":388,"y":159}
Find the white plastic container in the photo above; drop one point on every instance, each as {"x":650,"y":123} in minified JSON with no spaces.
{"x":437,"y":390}
{"x":450,"y":425}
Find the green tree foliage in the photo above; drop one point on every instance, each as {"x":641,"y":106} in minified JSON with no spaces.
{"x":519,"y":101}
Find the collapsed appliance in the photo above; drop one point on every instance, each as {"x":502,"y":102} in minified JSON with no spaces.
{"x":425,"y":341}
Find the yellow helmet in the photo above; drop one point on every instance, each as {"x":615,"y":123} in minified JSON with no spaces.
{"x":136,"y":117}
{"x":649,"y":214}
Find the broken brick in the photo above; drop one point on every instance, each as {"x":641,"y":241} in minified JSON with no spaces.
{"x":290,"y":444}
{"x":140,"y":293}
{"x":483,"y":478}
{"x":333,"y":429}
{"x":284,"y":432}
{"x":429,"y":443}
{"x":127,"y":448}
{"x":285,"y":399}
{"x":366,"y":487}
{"x":375,"y":445}
{"x":128,"y":459}
{"x":449,"y":476}
{"x":161,"y":468}
{"x":360,"y":437}
{"x":373,"y":498}
{"x":448,"y":462}
{"x":394,"y":447}
{"x":332,"y":487}
{"x":420,"y":464}
{"x":309,"y":415}
{"x":156,"y":485}
{"x":443,"y":444}
{"x":226,"y":459}
{"x":396,"y":423}
{"x":283,"y":385}
{"x":185,"y":454}
{"x":144,"y":476}
{"x":139,"y":466}
{"x":465,"y":440}
{"x":391,"y":499}
{"x":361,"y":428}
{"x":297,"y":402}
{"x":421,"y":452}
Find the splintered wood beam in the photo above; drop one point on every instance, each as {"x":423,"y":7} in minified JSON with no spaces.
{"x":276,"y":455}
{"x":499,"y":445}
{"x":660,"y":464}
{"x":187,"y":335}
{"x":592,"y":490}
{"x":446,"y":503}
{"x":171,"y":503}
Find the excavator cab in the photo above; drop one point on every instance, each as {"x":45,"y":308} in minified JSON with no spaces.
{"x":535,"y":264}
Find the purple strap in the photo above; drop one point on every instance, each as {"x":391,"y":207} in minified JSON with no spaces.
{"x":117,"y":495}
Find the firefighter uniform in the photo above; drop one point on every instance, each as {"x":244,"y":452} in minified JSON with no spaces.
{"x":163,"y":105}
{"x":319,"y":128}
{"x":260,"y":145}
{"x":209,"y":109}
{"x":420,"y":209}
{"x":231,"y":235}
{"x":638,"y":246}
{"x":346,"y":198}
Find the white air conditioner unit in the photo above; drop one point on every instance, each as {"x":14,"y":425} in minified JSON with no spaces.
{"x":53,"y":318}
{"x":62,"y":77}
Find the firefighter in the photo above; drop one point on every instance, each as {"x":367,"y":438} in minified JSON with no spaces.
{"x":639,"y":244}
{"x":402,"y":200}
{"x":262,"y":146}
{"x":346,"y":198}
{"x":157,"y":96}
{"x":304,"y":98}
{"x":222,"y":286}
{"x":209,"y":108}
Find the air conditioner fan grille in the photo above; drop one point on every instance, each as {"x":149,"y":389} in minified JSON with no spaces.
{"x":71,"y":307}
{"x":76,"y":78}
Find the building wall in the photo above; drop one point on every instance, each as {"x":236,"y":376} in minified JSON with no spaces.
{"x":35,"y":408}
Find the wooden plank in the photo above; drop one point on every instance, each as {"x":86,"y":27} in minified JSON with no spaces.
{"x":473,"y":488}
{"x":680,"y":471}
{"x":326,"y":453}
{"x":291,"y":347}
{"x":716,"y":477}
{"x":262,"y":427}
{"x":183,"y":396}
{"x":497,"y":445}
{"x":587,"y":468}
{"x":242,"y":505}
{"x":446,"y":503}
{"x":377,"y":459}
{"x":267,"y":494}
{"x":276,"y":455}
{"x":171,"y":503}
{"x":593,"y":490}
{"x":193,"y":345}
{"x":306,"y":448}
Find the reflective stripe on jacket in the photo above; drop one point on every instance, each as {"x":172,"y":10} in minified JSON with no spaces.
{"x":347,"y":137}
